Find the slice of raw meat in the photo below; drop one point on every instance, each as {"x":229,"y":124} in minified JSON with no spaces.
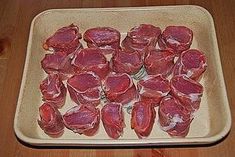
{"x":141,"y":37}
{"x":58,"y":63}
{"x":50,"y":121}
{"x":113,"y":119}
{"x":85,"y":88}
{"x":119,"y":88}
{"x":192,"y":63}
{"x":176,"y":38}
{"x":174,"y":118}
{"x":91,"y":59}
{"x":53,"y":90}
{"x":159,"y":62}
{"x":64,"y":39}
{"x":153,"y":88}
{"x":188,"y":91}
{"x":142,"y":118}
{"x":83,"y":119}
{"x":106,"y":38}
{"x":126,"y":62}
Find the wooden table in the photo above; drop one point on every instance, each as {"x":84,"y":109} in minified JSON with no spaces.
{"x":15,"y":18}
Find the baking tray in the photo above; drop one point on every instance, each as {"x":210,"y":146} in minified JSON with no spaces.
{"x":212,"y":121}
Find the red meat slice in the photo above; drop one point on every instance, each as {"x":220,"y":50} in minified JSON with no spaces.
{"x":85,"y":88}
{"x":153,"y":88}
{"x":141,"y":37}
{"x":64,"y":39}
{"x":51,"y":121}
{"x":113,"y":119}
{"x":188,"y":91}
{"x":176,"y":38}
{"x":142,"y":118}
{"x":125,"y":62}
{"x":91,"y":59}
{"x":174,"y":118}
{"x":159,"y":62}
{"x":106,"y":38}
{"x":58,"y":63}
{"x":119,"y":88}
{"x":83,"y":119}
{"x":53,"y":90}
{"x":192,"y":63}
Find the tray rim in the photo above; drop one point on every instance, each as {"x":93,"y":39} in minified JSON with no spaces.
{"x":111,"y":142}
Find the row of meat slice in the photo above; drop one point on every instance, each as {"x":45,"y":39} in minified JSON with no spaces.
{"x":69,"y":59}
{"x":87,"y":88}
{"x":120,"y":89}
{"x":191,"y":62}
{"x":83,"y":119}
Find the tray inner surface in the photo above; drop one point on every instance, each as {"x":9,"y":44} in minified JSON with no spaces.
{"x":209,"y":120}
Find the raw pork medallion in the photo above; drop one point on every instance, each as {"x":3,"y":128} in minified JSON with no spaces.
{"x":58,"y":63}
{"x":119,"y":88}
{"x":159,"y":62}
{"x":89,"y":74}
{"x":64,"y":39}
{"x":51,"y":121}
{"x":106,"y":38}
{"x":126,"y":62}
{"x":142,"y":118}
{"x":85,"y":88}
{"x":91,"y":59}
{"x":176,"y":38}
{"x":113,"y":119}
{"x":83,"y":119}
{"x":141,"y":37}
{"x":174,"y":118}
{"x":53,"y":90}
{"x":188,"y":91}
{"x":192,"y":63}
{"x":153,"y":88}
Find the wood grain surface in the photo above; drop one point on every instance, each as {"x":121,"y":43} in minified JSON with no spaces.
{"x":15,"y":18}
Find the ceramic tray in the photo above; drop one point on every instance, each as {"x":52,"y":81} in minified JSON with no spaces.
{"x":212,"y":121}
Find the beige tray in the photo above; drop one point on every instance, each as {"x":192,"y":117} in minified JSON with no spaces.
{"x":212,"y":121}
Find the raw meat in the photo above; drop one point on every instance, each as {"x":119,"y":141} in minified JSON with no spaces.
{"x":53,"y":90}
{"x":153,"y":88}
{"x":51,"y":121}
{"x":119,"y":88}
{"x":58,"y":63}
{"x":83,"y":119}
{"x":142,"y":118}
{"x":85,"y":88}
{"x":174,"y":118}
{"x":176,"y":38}
{"x":192,"y":63}
{"x":126,"y":62}
{"x":106,"y":38}
{"x":188,"y":91}
{"x":90,"y":76}
{"x":64,"y":39}
{"x":113,"y":119}
{"x":159,"y":62}
{"x":91,"y":59}
{"x":141,"y":37}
